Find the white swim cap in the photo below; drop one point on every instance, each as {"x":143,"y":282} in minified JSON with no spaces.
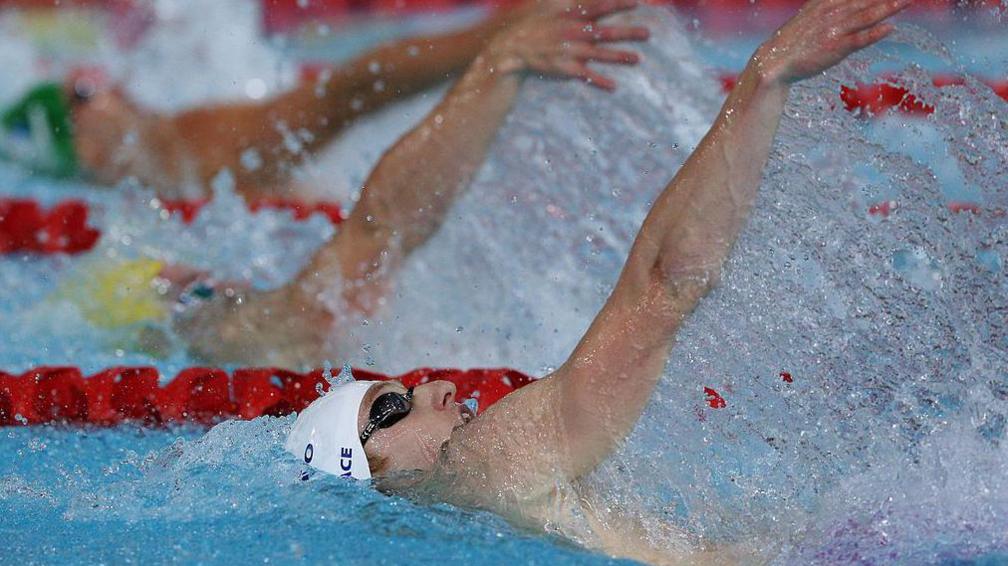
{"x":325,"y":435}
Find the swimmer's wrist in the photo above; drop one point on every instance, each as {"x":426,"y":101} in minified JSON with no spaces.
{"x":765,"y":71}
{"x":492,"y":70}
{"x":499,"y":62}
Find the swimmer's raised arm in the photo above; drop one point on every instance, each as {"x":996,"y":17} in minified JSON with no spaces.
{"x":317,"y":110}
{"x":406,"y":197}
{"x":599,"y":393}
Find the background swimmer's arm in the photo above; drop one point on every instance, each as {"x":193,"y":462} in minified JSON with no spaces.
{"x":219,"y":135}
{"x":410,"y":191}
{"x":603,"y":387}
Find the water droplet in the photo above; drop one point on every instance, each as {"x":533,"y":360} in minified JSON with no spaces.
{"x":255,"y":88}
{"x":472,"y":404}
{"x":345,"y":375}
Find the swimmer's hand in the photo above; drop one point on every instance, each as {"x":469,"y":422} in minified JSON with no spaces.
{"x":822,"y":34}
{"x":561,"y":38}
{"x":243,"y":326}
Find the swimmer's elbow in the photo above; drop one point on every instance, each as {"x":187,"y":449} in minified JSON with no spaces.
{"x":686,"y":277}
{"x":376,"y":212}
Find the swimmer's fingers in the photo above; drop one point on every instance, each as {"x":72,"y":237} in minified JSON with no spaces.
{"x":869,"y":36}
{"x":581,"y":71}
{"x":609,"y":34}
{"x":850,"y":6}
{"x":586,"y":52}
{"x":177,"y":278}
{"x":877,"y":12}
{"x":597,"y":9}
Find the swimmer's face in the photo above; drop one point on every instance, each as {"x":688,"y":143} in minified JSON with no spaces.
{"x":414,"y":442}
{"x":103,"y":120}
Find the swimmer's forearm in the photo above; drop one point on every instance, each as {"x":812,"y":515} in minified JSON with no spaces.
{"x":613,"y":371}
{"x":695,"y":221}
{"x":692,"y":227}
{"x":411,"y":65}
{"x":698,"y":217}
{"x":409,"y":192}
{"x":285,"y":129}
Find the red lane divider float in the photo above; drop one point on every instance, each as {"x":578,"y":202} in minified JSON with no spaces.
{"x":25,"y":226}
{"x":885,"y":208}
{"x":302,"y":210}
{"x":876,"y":99}
{"x":714,"y":399}
{"x":290,"y":16}
{"x":64,"y":395}
{"x":203,"y":395}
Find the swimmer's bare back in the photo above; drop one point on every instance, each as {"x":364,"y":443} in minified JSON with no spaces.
{"x":524,"y":456}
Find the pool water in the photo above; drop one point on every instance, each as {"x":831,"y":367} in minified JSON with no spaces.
{"x":134,"y":495}
{"x":887,"y":445}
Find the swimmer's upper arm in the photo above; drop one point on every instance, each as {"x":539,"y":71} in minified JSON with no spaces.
{"x":409,"y":192}
{"x":675,"y":260}
{"x":610,"y":376}
{"x":563,"y":425}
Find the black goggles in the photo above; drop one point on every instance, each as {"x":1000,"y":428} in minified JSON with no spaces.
{"x":387,"y":410}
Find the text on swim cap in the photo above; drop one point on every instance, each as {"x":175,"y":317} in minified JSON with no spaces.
{"x":346,"y":461}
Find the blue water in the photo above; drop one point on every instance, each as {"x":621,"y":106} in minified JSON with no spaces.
{"x":134,"y":495}
{"x":889,"y":447}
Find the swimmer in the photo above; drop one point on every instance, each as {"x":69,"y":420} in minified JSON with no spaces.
{"x":525,"y":456}
{"x":406,"y":197}
{"x":89,"y":128}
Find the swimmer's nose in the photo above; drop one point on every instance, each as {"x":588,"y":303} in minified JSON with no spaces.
{"x":442,"y":394}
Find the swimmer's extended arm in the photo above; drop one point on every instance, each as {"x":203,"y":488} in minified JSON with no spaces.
{"x":691,"y":228}
{"x":600,"y":392}
{"x":287,"y":128}
{"x":406,"y":197}
{"x":409,"y":192}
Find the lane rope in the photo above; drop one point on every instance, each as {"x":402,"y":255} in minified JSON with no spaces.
{"x":201,"y":395}
{"x":26,"y":226}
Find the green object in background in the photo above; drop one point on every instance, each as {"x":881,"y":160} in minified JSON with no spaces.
{"x":37,"y":131}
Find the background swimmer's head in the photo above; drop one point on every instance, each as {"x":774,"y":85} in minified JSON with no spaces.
{"x":413,"y":443}
{"x":104,"y":122}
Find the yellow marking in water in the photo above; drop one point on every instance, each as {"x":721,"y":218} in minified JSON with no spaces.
{"x":121,"y":294}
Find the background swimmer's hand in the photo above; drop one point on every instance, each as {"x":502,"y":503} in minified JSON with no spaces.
{"x":178,"y":277}
{"x":822,"y":34}
{"x":561,"y":38}
{"x":407,"y":196}
{"x":254,"y":327}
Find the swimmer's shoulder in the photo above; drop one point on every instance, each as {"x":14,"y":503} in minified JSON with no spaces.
{"x":508,"y":452}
